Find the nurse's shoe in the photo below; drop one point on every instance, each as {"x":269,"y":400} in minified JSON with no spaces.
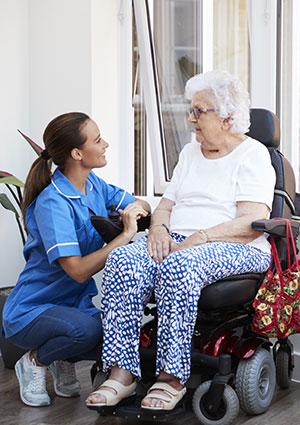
{"x":32,"y":380}
{"x":64,"y":378}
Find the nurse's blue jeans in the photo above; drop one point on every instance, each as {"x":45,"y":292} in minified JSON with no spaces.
{"x":61,"y":333}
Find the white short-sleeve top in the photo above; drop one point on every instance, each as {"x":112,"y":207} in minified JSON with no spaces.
{"x":206,"y":191}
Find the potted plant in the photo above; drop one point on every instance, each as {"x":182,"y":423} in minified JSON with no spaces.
{"x":11,"y":353}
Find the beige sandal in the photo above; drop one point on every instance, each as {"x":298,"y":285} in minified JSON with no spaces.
{"x":170,"y":402}
{"x":112,"y":399}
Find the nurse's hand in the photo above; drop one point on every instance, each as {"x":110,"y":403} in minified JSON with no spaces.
{"x":159,"y":243}
{"x":129,"y":217}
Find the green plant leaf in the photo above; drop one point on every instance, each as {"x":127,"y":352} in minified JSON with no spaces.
{"x":10,"y":179}
{"x":37,"y":149}
{"x":6,"y":203}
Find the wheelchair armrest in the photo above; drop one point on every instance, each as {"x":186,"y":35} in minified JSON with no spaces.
{"x":276,"y":227}
{"x":109,"y":229}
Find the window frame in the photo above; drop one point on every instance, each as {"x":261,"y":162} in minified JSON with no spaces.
{"x":151,"y":94}
{"x":290,"y":86}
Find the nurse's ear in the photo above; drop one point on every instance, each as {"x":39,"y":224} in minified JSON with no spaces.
{"x":76,"y":154}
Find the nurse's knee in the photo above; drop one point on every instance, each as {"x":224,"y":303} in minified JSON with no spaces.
{"x":89,"y":333}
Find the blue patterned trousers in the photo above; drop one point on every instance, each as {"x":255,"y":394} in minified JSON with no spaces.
{"x":130,"y":277}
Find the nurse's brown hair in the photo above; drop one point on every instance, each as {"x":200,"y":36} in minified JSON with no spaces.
{"x":61,"y":135}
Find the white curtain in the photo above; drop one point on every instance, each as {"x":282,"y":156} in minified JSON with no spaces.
{"x":231,"y":43}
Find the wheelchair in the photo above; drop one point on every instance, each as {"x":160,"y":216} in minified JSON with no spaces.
{"x":231,"y":367}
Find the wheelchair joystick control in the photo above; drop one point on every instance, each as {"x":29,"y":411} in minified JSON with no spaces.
{"x":114,"y":215}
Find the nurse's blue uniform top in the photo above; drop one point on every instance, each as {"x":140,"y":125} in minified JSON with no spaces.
{"x":59,"y":225}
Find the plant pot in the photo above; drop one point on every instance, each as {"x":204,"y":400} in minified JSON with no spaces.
{"x":10,"y":352}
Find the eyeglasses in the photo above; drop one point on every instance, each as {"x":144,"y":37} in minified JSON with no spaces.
{"x":197,"y":111}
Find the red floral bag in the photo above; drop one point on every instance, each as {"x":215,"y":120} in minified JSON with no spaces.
{"x":276,"y":305}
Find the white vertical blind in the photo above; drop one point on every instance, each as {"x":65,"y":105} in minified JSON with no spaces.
{"x":290,"y":93}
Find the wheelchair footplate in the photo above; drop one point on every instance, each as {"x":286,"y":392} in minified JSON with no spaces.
{"x":131,"y":408}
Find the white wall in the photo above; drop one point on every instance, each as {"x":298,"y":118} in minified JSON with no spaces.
{"x":60,"y":60}
{"x":111,"y":86}
{"x":14,"y":113}
{"x":56,"y":56}
{"x":76,"y":64}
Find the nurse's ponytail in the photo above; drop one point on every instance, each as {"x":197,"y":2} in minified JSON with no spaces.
{"x":61,"y":135}
{"x":38,"y":178}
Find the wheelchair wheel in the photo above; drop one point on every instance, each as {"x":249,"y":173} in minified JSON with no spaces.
{"x":228,"y":409}
{"x":255,"y":382}
{"x":284,"y":370}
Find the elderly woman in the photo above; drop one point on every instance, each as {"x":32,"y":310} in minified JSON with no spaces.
{"x":200,"y":233}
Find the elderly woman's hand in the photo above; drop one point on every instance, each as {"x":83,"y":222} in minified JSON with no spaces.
{"x":195,"y":239}
{"x":159,"y":243}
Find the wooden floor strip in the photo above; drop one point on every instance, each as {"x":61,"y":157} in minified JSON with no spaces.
{"x":285,"y":408}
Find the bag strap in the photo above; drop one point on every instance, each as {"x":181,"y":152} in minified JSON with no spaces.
{"x":274,"y":254}
{"x":288,"y":249}
{"x":289,"y":237}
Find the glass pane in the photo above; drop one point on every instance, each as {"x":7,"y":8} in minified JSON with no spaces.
{"x":290,"y":85}
{"x":230,"y":38}
{"x":177,"y":33}
{"x":140,"y":129}
{"x":187,"y":37}
{"x":177,"y":50}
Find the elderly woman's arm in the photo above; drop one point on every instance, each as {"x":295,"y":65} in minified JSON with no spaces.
{"x":159,"y":243}
{"x":142,"y":203}
{"x":238,"y":230}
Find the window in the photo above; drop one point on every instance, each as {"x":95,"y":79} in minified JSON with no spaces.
{"x":289,"y":108}
{"x":178,"y":39}
{"x":256,"y":40}
{"x":230,"y":38}
{"x":140,"y":123}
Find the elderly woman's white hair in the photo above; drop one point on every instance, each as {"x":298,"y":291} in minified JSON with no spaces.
{"x":229,"y":97}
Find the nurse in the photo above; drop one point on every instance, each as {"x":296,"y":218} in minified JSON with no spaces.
{"x":50,"y":312}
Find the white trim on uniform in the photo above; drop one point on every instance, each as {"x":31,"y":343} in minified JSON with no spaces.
{"x":62,"y":244}
{"x":67,"y":196}
{"x":120,"y":203}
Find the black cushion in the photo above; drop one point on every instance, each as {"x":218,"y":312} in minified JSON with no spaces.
{"x":232,"y":291}
{"x":264,"y":127}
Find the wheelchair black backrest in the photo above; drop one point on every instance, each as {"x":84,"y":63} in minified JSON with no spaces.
{"x":265,"y":127}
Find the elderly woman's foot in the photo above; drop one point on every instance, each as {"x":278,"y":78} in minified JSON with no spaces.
{"x":120,"y":385}
{"x":165,"y":394}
